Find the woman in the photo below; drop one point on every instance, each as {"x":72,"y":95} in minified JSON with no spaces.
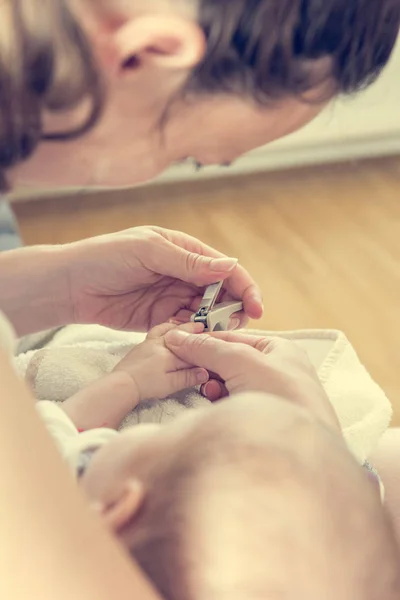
{"x":145,"y":83}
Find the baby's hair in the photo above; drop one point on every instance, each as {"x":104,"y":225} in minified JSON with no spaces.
{"x":230,"y":517}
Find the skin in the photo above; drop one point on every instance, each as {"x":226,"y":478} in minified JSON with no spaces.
{"x":281,"y":433}
{"x":150,"y":370}
{"x":247,"y":363}
{"x":255,"y":363}
{"x":128,"y":457}
{"x":128,"y":146}
{"x":135,"y":151}
{"x":176,"y":358}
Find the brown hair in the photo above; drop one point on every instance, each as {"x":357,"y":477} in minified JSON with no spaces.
{"x":265,"y":48}
{"x":45,"y":62}
{"x":262,"y":48}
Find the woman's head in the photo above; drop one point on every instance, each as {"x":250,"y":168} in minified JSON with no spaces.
{"x":207,"y":79}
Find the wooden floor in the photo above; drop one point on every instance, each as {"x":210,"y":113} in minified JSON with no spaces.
{"x":324,"y":244}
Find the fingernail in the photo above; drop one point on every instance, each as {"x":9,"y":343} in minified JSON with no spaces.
{"x":258,"y":299}
{"x":234,"y":324}
{"x":204,"y":389}
{"x":176,"y":337}
{"x":211,"y":391}
{"x":202,"y":376}
{"x":223,"y":264}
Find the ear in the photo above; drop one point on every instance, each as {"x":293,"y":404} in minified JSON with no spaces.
{"x":124,"y":509}
{"x":164,"y":41}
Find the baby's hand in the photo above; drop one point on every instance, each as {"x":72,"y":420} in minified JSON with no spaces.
{"x":155,"y":371}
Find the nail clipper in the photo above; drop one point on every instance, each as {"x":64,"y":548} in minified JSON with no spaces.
{"x":215,"y":317}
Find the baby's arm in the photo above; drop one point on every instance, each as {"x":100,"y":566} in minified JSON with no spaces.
{"x":148,"y":371}
{"x":104,"y":403}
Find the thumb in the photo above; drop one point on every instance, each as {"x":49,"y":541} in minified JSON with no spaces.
{"x":186,"y":378}
{"x":204,"y":351}
{"x":191,"y":267}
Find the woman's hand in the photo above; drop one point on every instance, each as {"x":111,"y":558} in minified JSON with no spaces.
{"x":145,"y":276}
{"x":249,"y":363}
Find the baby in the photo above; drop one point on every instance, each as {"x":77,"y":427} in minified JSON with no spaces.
{"x":265,"y":503}
{"x":256,"y":506}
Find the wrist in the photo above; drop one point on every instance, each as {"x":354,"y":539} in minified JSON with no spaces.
{"x":104,"y":403}
{"x":127,"y":376}
{"x":125,"y":389}
{"x":35,"y":288}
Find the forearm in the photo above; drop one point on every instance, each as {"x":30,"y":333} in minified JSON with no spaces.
{"x":41,"y":508}
{"x":104,"y":403}
{"x":34,"y":288}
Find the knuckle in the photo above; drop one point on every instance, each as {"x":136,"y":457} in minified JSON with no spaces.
{"x":183,"y":379}
{"x":193,"y":261}
{"x":190,"y":378}
{"x":155,"y":332}
{"x":201,"y":341}
{"x":245,"y":352}
{"x":263,"y":344}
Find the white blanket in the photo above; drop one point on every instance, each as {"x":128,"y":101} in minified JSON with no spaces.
{"x":77,"y":355}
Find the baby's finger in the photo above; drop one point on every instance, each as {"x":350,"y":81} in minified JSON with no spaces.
{"x":237,"y":320}
{"x":186,"y":378}
{"x":214,"y":390}
{"x":192,"y":327}
{"x":159,"y":331}
{"x":183,"y":316}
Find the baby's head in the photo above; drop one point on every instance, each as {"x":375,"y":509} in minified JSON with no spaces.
{"x":252,"y":501}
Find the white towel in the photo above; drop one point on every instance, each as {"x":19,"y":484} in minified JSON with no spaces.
{"x":77,"y":355}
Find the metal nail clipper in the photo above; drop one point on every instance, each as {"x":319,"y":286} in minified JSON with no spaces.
{"x":215,"y":317}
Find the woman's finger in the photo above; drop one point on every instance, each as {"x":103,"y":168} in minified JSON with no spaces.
{"x":205,"y":351}
{"x":261,"y":343}
{"x":241,"y":286}
{"x":177,"y":258}
{"x":188,"y":259}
